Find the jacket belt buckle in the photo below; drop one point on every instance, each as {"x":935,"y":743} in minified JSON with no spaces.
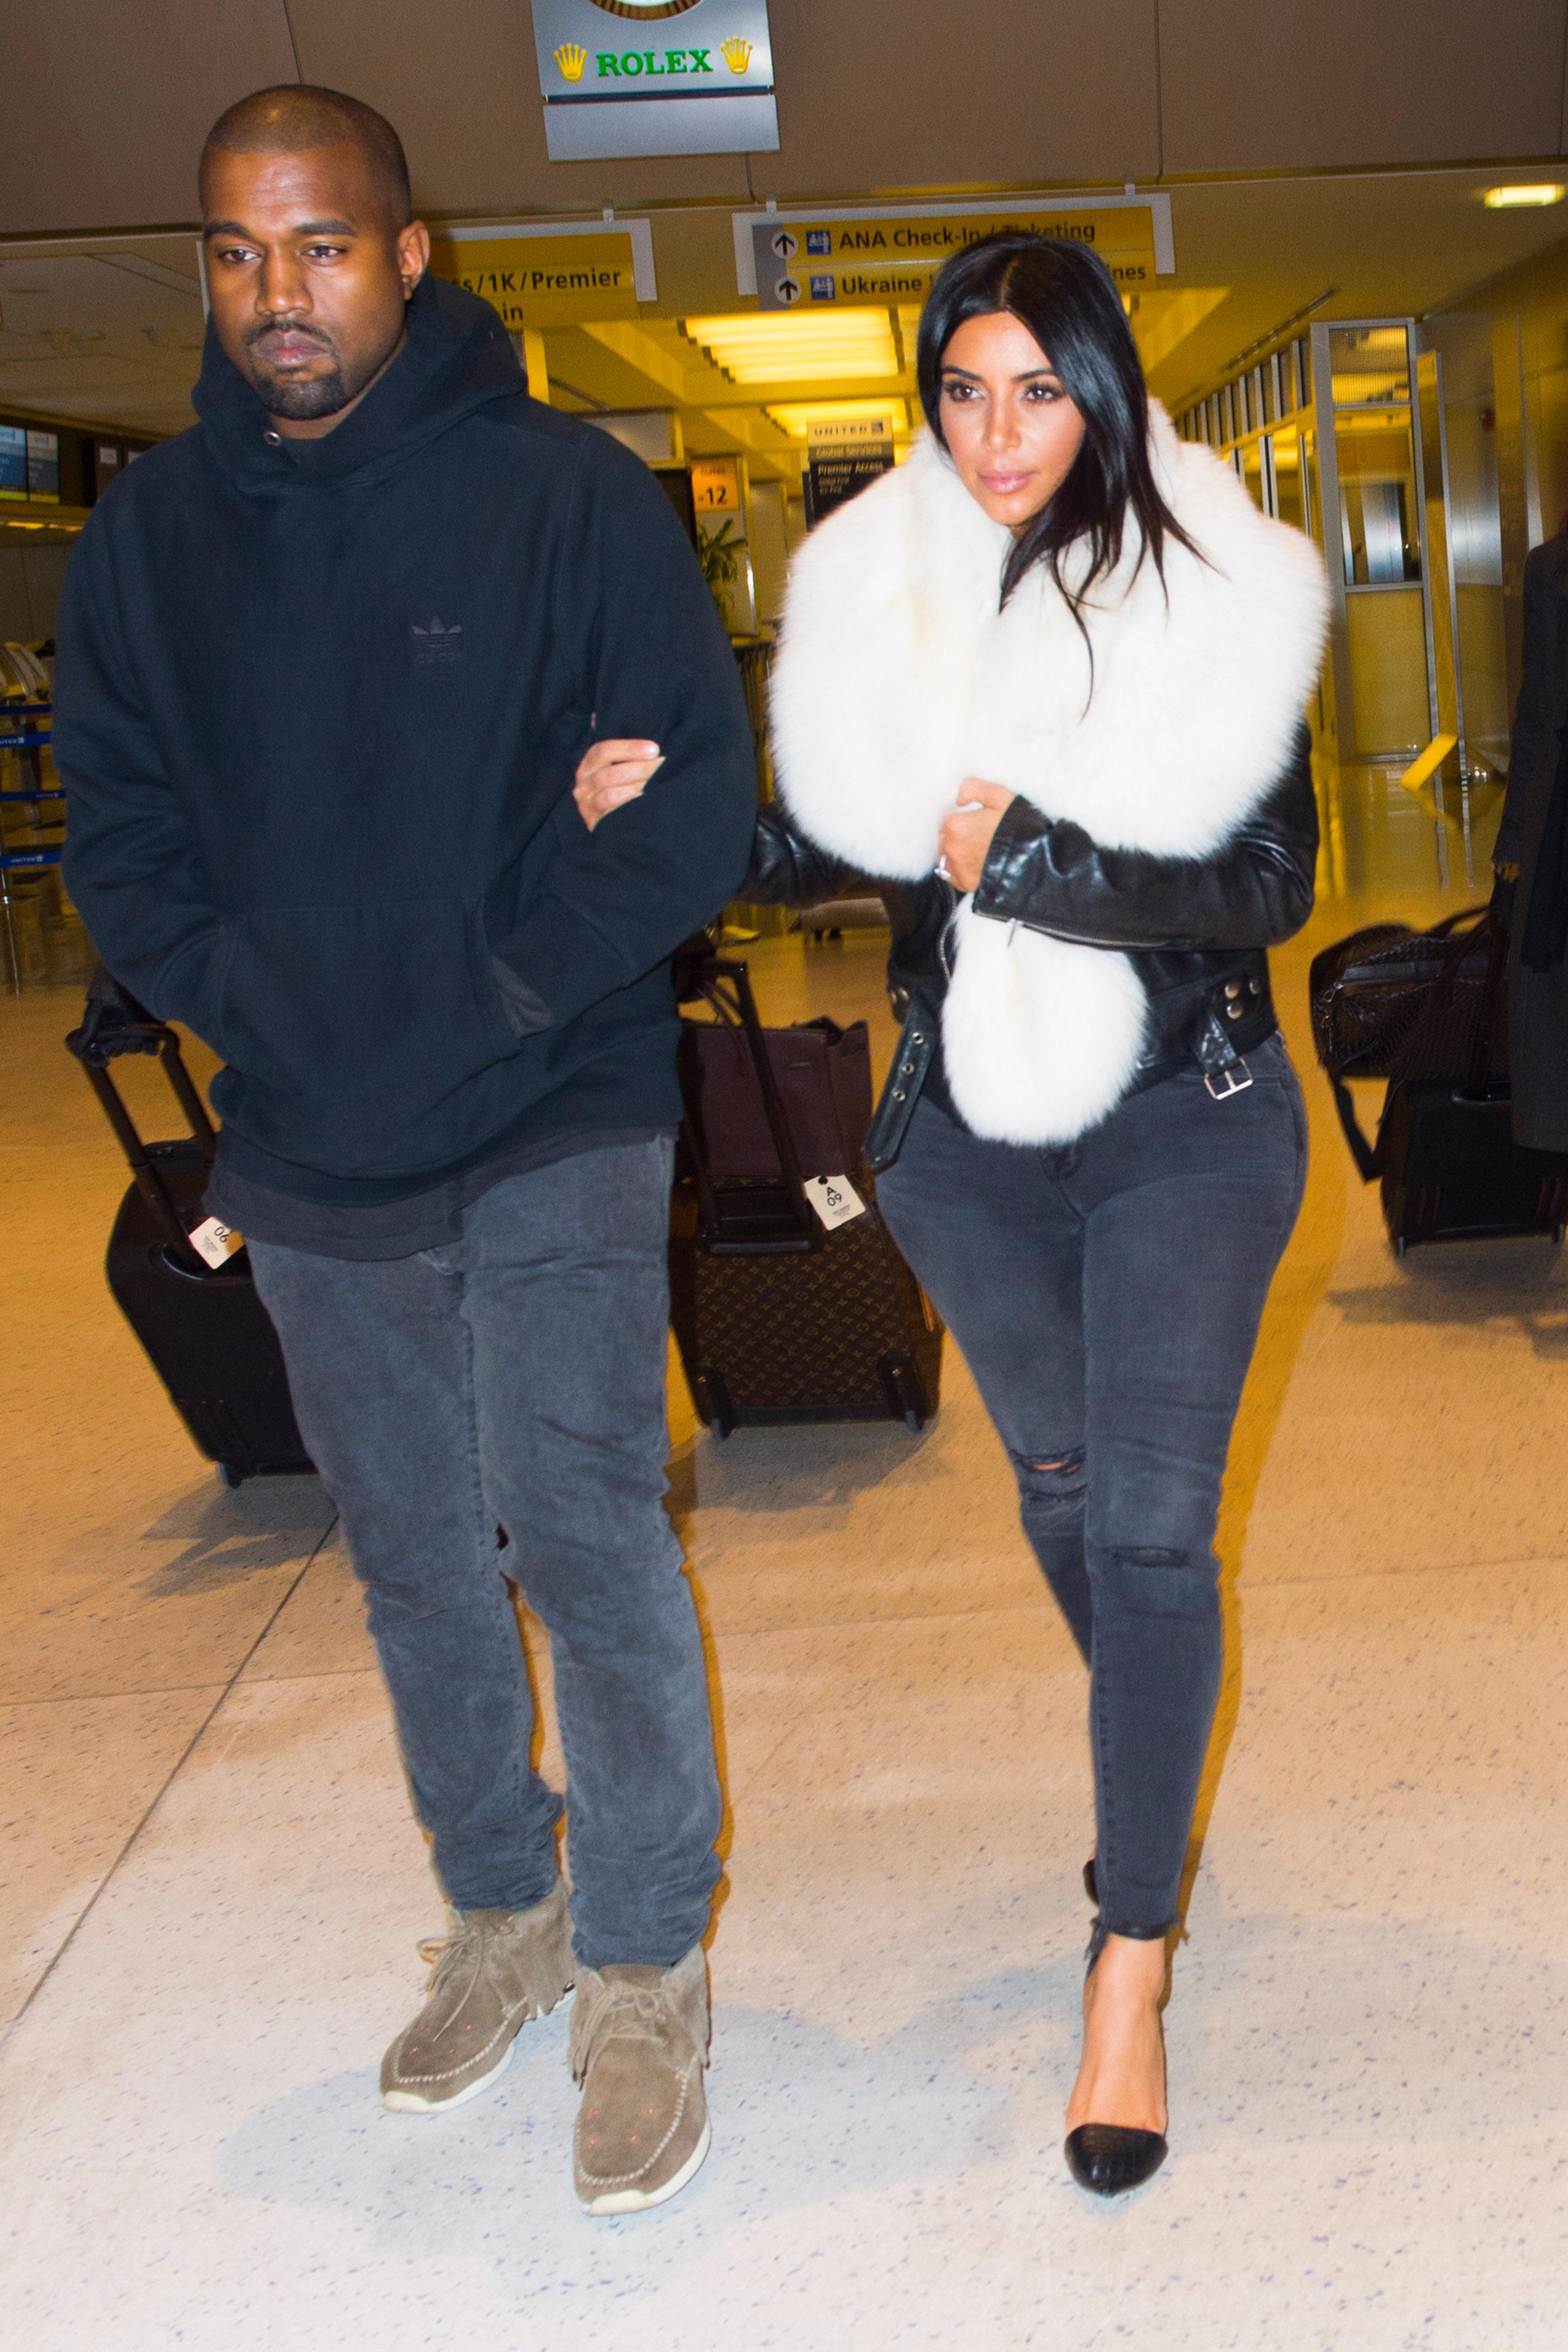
{"x":1233,"y":1080}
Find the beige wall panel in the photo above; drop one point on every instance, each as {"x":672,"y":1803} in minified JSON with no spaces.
{"x":1025,"y":93}
{"x":1032,"y":91}
{"x":1321,"y":83}
{"x":462,"y":86}
{"x":103,"y":106}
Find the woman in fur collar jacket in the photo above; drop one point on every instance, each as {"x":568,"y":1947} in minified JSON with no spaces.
{"x":1045,"y":682}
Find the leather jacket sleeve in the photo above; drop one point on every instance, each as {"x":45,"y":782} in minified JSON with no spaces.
{"x":787,"y":870}
{"x":1253,"y":892}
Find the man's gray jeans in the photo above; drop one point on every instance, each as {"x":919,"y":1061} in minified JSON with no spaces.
{"x":514,"y":1380}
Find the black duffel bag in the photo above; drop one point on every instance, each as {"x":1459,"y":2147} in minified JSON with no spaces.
{"x":1369,"y":990}
{"x":1428,"y":1012}
{"x":1391,"y":1002}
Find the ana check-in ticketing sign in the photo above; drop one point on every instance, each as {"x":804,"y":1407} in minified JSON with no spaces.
{"x":798,"y":262}
{"x":552,"y":276}
{"x":655,"y":77}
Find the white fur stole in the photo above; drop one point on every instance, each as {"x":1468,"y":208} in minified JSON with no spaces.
{"x":897,"y":677}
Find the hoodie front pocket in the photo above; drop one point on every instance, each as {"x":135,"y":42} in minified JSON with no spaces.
{"x":353,"y":1030}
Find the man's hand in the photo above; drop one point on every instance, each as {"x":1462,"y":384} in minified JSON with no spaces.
{"x":967,"y":835}
{"x":610,"y":774}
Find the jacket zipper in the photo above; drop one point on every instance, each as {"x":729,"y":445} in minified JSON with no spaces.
{"x":946,"y":934}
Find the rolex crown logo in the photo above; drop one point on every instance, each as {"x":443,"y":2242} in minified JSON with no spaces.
{"x":737,"y":56}
{"x":572,"y":59}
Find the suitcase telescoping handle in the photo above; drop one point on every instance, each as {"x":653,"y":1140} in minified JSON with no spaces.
{"x":115,"y":1023}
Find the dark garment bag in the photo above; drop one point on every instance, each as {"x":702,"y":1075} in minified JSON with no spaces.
{"x":822,"y":1078}
{"x":210,"y":1339}
{"x":1427,"y":1011}
{"x":778,"y":1318}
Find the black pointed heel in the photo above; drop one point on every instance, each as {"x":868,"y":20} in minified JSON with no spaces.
{"x":1108,"y":2159}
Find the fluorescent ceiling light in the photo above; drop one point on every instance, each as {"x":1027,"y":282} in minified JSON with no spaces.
{"x":798,"y":416}
{"x":792,"y":347}
{"x":1540,"y":192}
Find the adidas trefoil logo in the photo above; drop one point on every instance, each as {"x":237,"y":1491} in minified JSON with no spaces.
{"x":436,"y":641}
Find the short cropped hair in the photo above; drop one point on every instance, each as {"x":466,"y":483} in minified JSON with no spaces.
{"x":293,"y":115}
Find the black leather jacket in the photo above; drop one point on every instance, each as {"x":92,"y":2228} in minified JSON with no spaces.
{"x":1198,"y":931}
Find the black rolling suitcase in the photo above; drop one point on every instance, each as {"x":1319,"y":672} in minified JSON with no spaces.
{"x":1429,"y":1013}
{"x":781,"y":1313}
{"x":210,"y":1339}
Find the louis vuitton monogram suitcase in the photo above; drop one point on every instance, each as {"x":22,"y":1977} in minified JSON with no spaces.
{"x":789,"y":1298}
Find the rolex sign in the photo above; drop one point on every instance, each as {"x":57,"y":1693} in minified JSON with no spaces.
{"x":655,"y":77}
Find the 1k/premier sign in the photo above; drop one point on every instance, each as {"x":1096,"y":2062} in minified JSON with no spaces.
{"x":552,"y":276}
{"x":655,"y":76}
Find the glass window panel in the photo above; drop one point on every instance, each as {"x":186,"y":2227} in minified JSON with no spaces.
{"x":1371,"y":365}
{"x":1312,"y":504}
{"x":1252,"y":473}
{"x":1378,"y":527}
{"x":1271,"y":390}
{"x":1290,"y":503}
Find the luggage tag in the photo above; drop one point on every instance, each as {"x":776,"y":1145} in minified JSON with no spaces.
{"x":216,"y":1242}
{"x":835,"y":1201}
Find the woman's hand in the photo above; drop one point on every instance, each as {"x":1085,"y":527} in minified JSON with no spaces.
{"x":609,"y":774}
{"x":965,"y":843}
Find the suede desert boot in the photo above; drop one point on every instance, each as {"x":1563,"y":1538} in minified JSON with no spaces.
{"x":639,"y":2043}
{"x":496,"y":1970}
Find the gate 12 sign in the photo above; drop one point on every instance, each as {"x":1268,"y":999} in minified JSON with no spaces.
{"x":655,"y":77}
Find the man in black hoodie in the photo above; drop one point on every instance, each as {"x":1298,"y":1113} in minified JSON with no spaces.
{"x":328,"y":666}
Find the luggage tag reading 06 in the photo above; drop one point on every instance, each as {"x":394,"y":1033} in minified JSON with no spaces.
{"x":835,"y":1201}
{"x":216,"y":1242}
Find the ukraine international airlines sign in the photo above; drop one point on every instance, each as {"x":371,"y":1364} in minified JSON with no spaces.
{"x":655,"y":76}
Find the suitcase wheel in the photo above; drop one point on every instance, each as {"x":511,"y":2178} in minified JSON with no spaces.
{"x":1557,"y":1234}
{"x":905,"y":1395}
{"x":711,"y":1397}
{"x":1399,"y":1245}
{"x":230,"y":1474}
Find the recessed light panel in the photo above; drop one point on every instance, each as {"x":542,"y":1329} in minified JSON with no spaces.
{"x":1539,"y":191}
{"x":792,"y":347}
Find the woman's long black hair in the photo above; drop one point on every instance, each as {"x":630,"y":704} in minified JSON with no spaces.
{"x":1067,"y":298}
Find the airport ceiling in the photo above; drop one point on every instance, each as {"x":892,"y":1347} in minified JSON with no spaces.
{"x":1317,"y":146}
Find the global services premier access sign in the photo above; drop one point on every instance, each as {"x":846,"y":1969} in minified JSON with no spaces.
{"x":655,"y":77}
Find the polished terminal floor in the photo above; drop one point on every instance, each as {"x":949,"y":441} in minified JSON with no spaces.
{"x":214,"y":1890}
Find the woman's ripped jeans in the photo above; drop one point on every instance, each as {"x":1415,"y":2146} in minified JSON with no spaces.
{"x":1107,"y":1297}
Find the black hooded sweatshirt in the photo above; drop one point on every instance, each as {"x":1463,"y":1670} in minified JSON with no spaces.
{"x":319,"y":705}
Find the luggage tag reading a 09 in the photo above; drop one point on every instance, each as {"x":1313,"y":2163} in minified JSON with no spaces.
{"x":834,"y":1198}
{"x":216,"y":1242}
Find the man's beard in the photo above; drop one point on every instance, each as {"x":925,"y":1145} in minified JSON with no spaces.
{"x":322,"y":396}
{"x":292,"y":397}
